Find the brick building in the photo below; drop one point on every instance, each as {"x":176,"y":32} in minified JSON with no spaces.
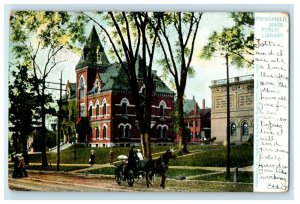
{"x":241,"y":109}
{"x":197,"y":120}
{"x":104,"y":102}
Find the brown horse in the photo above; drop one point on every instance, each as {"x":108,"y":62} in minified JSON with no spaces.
{"x":159,"y":166}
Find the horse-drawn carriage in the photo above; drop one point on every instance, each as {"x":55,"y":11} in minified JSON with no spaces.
{"x":143,"y":169}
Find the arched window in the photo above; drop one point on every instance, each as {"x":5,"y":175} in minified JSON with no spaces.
{"x":121,"y":131}
{"x":245,"y":130}
{"x":90,"y":111}
{"x":104,"y":106}
{"x":159,"y":131}
{"x":82,"y":110}
{"x":127,"y":132}
{"x":104,"y":132}
{"x":97,"y":86}
{"x":97,"y":133}
{"x":97,"y":110}
{"x":164,"y":132}
{"x":162,"y":106}
{"x":233,"y":129}
{"x":81,"y":87}
{"x":124,"y":108}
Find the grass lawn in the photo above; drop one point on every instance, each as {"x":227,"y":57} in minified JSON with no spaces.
{"x":175,"y":173}
{"x":245,"y":177}
{"x":102,"y":154}
{"x":213,"y":156}
{"x":241,"y":156}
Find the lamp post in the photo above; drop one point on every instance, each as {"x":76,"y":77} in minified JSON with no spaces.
{"x":228,"y":123}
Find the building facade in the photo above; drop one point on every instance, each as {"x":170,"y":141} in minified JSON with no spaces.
{"x":104,"y":103}
{"x":197,"y":121}
{"x":241,"y":109}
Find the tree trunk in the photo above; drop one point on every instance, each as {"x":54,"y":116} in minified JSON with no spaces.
{"x":182,"y":132}
{"x":43,"y":114}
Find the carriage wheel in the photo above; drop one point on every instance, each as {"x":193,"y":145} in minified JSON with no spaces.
{"x":118,"y":176}
{"x":130,"y":178}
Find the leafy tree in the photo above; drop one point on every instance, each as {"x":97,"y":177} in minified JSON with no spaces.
{"x":37,"y":38}
{"x":177,"y":36}
{"x":133,"y":38}
{"x":21,"y":111}
{"x":236,"y":45}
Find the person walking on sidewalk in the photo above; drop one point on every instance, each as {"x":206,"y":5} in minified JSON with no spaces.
{"x":111,"y":156}
{"x":92,"y":158}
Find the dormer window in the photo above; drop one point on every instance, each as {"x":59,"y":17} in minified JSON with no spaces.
{"x":97,"y":86}
{"x":99,"y":53}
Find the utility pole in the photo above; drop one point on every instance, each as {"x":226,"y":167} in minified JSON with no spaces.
{"x":228,"y":123}
{"x":59,"y":123}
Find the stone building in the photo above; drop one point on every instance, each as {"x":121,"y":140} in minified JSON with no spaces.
{"x":241,"y":109}
{"x":105,"y":106}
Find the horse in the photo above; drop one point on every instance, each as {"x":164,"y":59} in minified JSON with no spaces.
{"x":159,"y":166}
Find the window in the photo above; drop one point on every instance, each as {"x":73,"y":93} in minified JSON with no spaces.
{"x":127,"y":132}
{"x":245,"y":130}
{"x":104,"y":107}
{"x":124,"y":108}
{"x":162,"y":110}
{"x":159,"y":131}
{"x":192,"y":123}
{"x":82,"y":110}
{"x":99,"y":55}
{"x":197,"y":123}
{"x":97,"y":133}
{"x":97,"y":86}
{"x":233,"y":129}
{"x":104,"y":132}
{"x":164,"y":132}
{"x":97,"y":110}
{"x":191,"y":135}
{"x":121,"y":131}
{"x":91,"y":111}
{"x":81,"y":88}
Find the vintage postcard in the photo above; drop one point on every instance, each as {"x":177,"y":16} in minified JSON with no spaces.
{"x":148,"y":101}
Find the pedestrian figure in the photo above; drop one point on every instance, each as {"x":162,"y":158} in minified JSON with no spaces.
{"x":131,"y":165}
{"x":16,"y":167}
{"x":92,"y":158}
{"x":111,"y":156}
{"x":22,"y":170}
{"x":19,"y":166}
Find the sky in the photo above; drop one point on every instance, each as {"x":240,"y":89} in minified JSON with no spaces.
{"x":205,"y":71}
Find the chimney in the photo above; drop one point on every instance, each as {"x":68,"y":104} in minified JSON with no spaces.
{"x":203,"y":103}
{"x":195,"y":107}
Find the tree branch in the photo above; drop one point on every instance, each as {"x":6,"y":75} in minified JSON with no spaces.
{"x":193,"y":41}
{"x":128,"y":35}
{"x":190,"y":29}
{"x":124,"y":45}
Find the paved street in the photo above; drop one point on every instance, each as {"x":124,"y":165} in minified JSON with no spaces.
{"x":76,"y":181}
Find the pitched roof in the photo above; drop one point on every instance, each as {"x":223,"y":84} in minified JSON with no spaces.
{"x":115,"y":78}
{"x":90,"y":51}
{"x":188,"y":105}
